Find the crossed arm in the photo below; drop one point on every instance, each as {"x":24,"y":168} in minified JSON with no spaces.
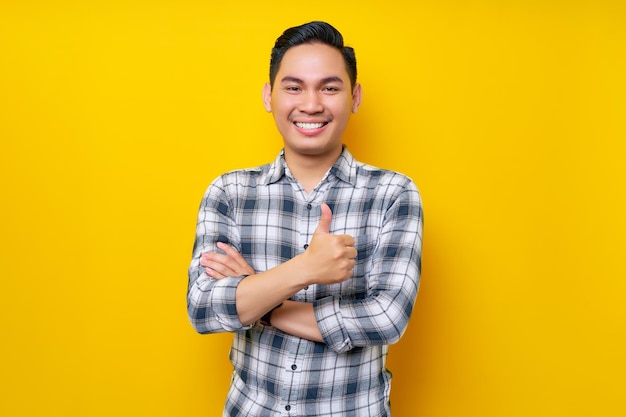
{"x":220,"y":300}
{"x":328,"y":260}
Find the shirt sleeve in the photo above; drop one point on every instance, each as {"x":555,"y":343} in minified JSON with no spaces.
{"x":392,"y":283}
{"x":210,"y":302}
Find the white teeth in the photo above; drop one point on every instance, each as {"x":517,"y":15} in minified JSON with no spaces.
{"x":309,"y":125}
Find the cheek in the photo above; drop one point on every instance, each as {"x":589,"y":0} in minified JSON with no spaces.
{"x":282,"y":107}
{"x":340,"y":105}
{"x":342,"y":110}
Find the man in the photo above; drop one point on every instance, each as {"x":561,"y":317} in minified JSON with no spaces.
{"x":313,"y":261}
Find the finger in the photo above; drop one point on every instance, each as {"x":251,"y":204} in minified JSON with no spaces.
{"x":221,"y":269}
{"x":209,"y":257}
{"x":324,"y":224}
{"x":349,"y":273}
{"x":348,"y":240}
{"x":203,"y":259}
{"x":236,"y":260}
{"x":213,"y":273}
{"x":232,"y":253}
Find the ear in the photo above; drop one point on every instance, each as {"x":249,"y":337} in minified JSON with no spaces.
{"x":267,"y":97}
{"x":357,"y":94}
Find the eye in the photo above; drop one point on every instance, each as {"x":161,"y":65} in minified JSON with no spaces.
{"x":292,"y":88}
{"x":330,"y":89}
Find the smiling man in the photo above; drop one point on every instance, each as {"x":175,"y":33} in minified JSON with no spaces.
{"x":312,"y":97}
{"x":312,"y":261}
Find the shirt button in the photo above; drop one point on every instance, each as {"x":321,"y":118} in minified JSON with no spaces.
{"x":306,"y":246}
{"x":294,"y":366}
{"x":309,"y":206}
{"x":306,"y":288}
{"x":287,"y":407}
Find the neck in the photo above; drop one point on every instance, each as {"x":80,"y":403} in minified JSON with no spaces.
{"x":310,"y":169}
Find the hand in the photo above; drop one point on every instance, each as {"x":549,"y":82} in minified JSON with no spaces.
{"x":232,"y":264}
{"x":330,"y":258}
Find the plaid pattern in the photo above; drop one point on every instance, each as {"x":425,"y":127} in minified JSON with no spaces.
{"x":266,"y":215}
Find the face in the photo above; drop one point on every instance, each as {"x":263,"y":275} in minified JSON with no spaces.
{"x":312,"y":100}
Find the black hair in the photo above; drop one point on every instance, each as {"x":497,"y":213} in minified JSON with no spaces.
{"x":312,"y":32}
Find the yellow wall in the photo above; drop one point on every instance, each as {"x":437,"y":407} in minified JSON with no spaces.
{"x":509,"y":115}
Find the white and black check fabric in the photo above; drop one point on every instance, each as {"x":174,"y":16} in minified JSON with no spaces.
{"x":267,"y":216}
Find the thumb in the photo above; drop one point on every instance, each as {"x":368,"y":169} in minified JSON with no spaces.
{"x":324,"y":224}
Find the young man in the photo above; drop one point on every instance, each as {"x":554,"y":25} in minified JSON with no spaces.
{"x":313,"y":261}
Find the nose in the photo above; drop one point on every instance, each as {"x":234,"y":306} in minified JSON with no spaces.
{"x":311,"y":102}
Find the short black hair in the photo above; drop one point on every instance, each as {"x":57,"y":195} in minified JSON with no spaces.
{"x":312,"y":32}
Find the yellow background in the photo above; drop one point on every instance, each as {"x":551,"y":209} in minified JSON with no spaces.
{"x":509,"y":115}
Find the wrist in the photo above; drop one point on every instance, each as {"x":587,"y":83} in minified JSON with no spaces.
{"x":302,"y":270}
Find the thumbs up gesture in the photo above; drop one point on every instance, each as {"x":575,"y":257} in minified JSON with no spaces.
{"x":329,"y":258}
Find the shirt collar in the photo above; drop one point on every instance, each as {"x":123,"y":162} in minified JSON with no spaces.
{"x":345,"y":168}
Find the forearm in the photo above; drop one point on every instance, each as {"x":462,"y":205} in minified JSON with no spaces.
{"x":297,"y":319}
{"x":259,"y":293}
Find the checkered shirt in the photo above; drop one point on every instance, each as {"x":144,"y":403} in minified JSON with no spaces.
{"x":268,"y":217}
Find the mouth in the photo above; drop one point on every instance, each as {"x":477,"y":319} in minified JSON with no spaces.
{"x":310,"y":126}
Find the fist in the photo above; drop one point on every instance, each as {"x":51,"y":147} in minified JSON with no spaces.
{"x":329,"y":258}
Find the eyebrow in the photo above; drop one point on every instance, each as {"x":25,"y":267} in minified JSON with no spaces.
{"x":333,"y":79}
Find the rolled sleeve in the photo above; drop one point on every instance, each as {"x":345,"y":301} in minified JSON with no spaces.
{"x":211,"y":303}
{"x":212,"y":306}
{"x":330,"y":323}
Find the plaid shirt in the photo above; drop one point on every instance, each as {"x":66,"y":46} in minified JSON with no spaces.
{"x":268,"y":217}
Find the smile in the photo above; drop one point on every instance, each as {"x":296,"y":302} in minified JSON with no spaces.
{"x":309,"y":126}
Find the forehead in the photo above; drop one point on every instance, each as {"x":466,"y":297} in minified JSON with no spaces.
{"x":313,"y":61}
